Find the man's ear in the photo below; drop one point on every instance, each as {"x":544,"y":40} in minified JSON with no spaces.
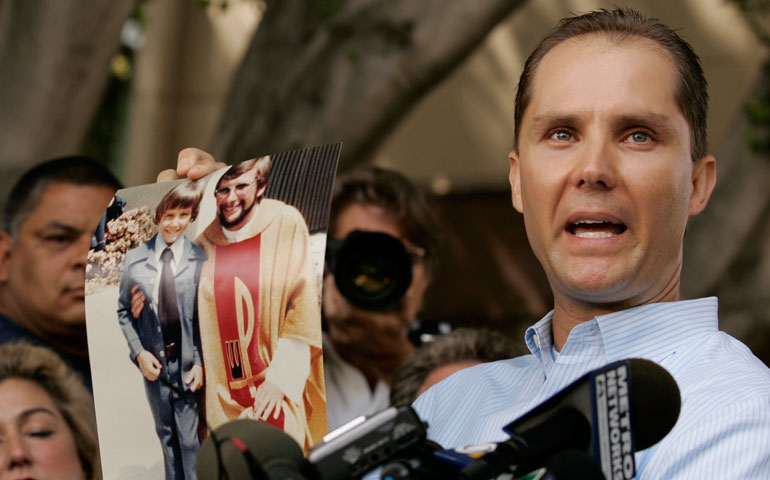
{"x":6,"y":249}
{"x":515,"y":178}
{"x":704,"y":177}
{"x":261,"y":191}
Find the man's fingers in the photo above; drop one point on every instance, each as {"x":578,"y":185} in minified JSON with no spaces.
{"x":194,"y":163}
{"x":201,"y":170}
{"x":269,"y":408}
{"x":137,"y":298}
{"x":259,"y":408}
{"x":168,"y":175}
{"x":188,"y":157}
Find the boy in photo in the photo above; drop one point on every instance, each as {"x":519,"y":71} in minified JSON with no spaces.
{"x":157,"y":310}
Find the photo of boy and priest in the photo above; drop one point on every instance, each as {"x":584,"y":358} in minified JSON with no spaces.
{"x":207,"y":293}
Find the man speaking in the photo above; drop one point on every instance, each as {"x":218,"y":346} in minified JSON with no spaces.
{"x":260,"y":310}
{"x":609,"y":163}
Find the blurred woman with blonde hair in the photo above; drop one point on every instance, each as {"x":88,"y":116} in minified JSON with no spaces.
{"x":47,"y":423}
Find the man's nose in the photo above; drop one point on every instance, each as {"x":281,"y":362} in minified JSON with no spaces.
{"x":231,"y":195}
{"x":596,"y":164}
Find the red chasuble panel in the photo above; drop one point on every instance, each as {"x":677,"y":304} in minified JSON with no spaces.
{"x":236,"y":294}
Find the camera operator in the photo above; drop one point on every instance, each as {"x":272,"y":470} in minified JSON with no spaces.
{"x":364,"y":346}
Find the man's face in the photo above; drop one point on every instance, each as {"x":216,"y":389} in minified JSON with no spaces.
{"x":236,"y":198}
{"x":603,"y":174}
{"x":43,"y":271}
{"x":173,"y":223}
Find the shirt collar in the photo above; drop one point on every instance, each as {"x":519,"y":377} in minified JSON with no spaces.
{"x":656,"y":330}
{"x":539,"y":340}
{"x":177,"y":248}
{"x":651,"y":331}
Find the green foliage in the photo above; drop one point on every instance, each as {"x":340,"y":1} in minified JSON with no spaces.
{"x":757,"y":15}
{"x":327,"y":9}
{"x":752,"y":6}
{"x":222,"y":5}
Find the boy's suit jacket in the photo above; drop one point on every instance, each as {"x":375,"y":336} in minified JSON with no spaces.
{"x":141,"y":268}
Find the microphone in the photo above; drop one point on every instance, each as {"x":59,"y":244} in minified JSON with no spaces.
{"x":437,"y":464}
{"x":609,"y":413}
{"x":249,"y":449}
{"x":366,"y":443}
{"x":431,"y":462}
{"x":570,"y":465}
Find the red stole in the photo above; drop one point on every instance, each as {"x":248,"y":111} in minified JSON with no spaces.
{"x":236,"y":296}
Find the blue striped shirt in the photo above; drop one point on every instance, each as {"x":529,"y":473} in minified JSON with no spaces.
{"x":723,"y":429}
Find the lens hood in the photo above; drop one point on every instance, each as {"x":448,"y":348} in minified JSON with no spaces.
{"x":372,"y":270}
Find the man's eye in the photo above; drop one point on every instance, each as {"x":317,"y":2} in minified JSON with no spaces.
{"x":60,"y":239}
{"x":639,"y":137}
{"x":561,"y":135}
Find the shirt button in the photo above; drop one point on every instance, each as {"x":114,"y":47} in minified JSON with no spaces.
{"x":537,"y":340}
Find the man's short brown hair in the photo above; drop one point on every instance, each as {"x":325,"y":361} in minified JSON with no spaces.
{"x":415,"y":215}
{"x":26,"y":193}
{"x":261,"y":164}
{"x":691,"y":91}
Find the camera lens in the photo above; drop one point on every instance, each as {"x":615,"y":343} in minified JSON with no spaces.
{"x":371,"y":269}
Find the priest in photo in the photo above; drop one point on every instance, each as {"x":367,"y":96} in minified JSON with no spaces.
{"x":259,"y":310}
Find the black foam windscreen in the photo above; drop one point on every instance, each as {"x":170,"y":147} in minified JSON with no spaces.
{"x":249,"y":449}
{"x":654,"y":397}
{"x":656,"y":400}
{"x":572,"y":465}
{"x":610,"y":412}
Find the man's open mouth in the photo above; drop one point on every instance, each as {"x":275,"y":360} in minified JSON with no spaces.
{"x":595,"y":229}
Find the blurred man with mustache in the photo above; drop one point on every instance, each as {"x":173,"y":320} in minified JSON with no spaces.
{"x":50,"y":218}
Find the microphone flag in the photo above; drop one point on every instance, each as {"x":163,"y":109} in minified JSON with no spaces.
{"x":604,"y":397}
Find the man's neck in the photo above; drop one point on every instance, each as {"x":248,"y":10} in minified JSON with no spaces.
{"x":70,"y":339}
{"x":569,"y":313}
{"x":566,"y":317}
{"x":377,"y":369}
